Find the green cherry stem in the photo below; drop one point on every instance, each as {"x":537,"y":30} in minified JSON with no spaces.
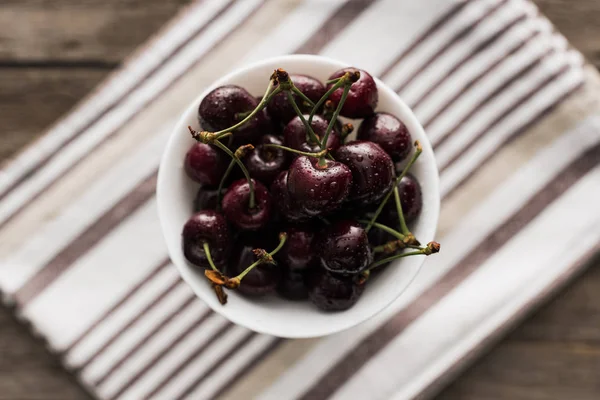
{"x":335,"y":114}
{"x":416,"y":154}
{"x":320,"y":154}
{"x":303,"y":96}
{"x":386,"y":228}
{"x":239,"y":153}
{"x":403,"y":228}
{"x":252,"y":201}
{"x":309,"y":129}
{"x":268,"y":257}
{"x":338,"y":84}
{"x":209,"y":257}
{"x":269,"y":93}
{"x":431,"y":248}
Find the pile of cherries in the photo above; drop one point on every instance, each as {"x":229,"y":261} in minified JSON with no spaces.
{"x":287,"y":203}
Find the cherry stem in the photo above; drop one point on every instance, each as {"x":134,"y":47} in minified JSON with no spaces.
{"x":261,"y":260}
{"x":431,"y":248}
{"x":209,"y":257}
{"x":338,"y":84}
{"x":269,"y":93}
{"x":403,"y":228}
{"x":336,"y":113}
{"x":302,"y":96}
{"x":239,"y":153}
{"x":309,"y":129}
{"x":417,"y":153}
{"x":386,"y":228}
{"x":303,"y":153}
{"x":252,"y":201}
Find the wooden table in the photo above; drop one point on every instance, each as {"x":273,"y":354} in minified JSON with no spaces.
{"x":53,"y":52}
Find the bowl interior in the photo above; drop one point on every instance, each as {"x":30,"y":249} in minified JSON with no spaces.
{"x":274,"y":315}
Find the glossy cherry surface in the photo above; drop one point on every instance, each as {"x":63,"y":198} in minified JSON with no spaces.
{"x":297,"y":253}
{"x":333,"y":292}
{"x":280,"y":108}
{"x":372,"y":171}
{"x":280,"y":196}
{"x":388,"y":132}
{"x":206,"y":226}
{"x":318,"y":189}
{"x":411,"y":200}
{"x":265,"y":163}
{"x":227,"y":105}
{"x":362,"y":98}
{"x":343,"y":248}
{"x":205,"y":163}
{"x":295,"y":136}
{"x":263,"y":278}
{"x":236,"y":205}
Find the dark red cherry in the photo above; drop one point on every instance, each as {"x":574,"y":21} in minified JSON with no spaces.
{"x":295,"y":136}
{"x":265,"y":163}
{"x":362,"y":98}
{"x":206,"y":199}
{"x":280,"y":197}
{"x":333,"y":292}
{"x":281,"y":109}
{"x":343,"y":248}
{"x":388,"y":132}
{"x":292,"y":284}
{"x":227,"y":105}
{"x":411,"y":200}
{"x":318,"y":189}
{"x":372,"y":171}
{"x":206,"y":226}
{"x":236,"y":205}
{"x":263,"y":278}
{"x":205,"y":163}
{"x":297,"y":252}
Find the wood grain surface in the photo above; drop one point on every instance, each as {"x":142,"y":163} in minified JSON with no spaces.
{"x":53,"y":52}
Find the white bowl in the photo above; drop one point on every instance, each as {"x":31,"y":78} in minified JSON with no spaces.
{"x":274,"y":315}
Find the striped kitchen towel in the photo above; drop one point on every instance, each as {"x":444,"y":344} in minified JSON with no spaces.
{"x":513,"y":114}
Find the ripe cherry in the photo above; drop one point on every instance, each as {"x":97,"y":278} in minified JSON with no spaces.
{"x":388,"y":132}
{"x":362,"y":98}
{"x":298,"y":253}
{"x":411,"y":200}
{"x":265,"y":163}
{"x":372,"y":171}
{"x":237,"y":209}
{"x":227,"y":105}
{"x":292,"y":284}
{"x":205,"y":163}
{"x":343,"y":248}
{"x":316,"y":188}
{"x":333,"y":292}
{"x":295,"y":135}
{"x":280,"y":196}
{"x":280,"y":108}
{"x":210,"y":227}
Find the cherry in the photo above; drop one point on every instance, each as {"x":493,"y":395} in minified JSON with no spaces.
{"x":295,"y":135}
{"x":263,"y":278}
{"x":297,"y":253}
{"x":205,"y":163}
{"x":316,"y":188}
{"x":227,"y":105}
{"x":206,"y":199}
{"x":207,"y":226}
{"x":372,"y":171}
{"x":281,"y":109}
{"x":411,"y":200}
{"x":388,"y":132}
{"x":237,"y":209}
{"x":265,"y":163}
{"x":332,"y":292}
{"x":281,"y":198}
{"x":343,"y":248}
{"x":362,"y":98}
{"x":292,"y":284}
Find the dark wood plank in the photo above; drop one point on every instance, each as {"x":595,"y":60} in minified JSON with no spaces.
{"x":88,"y":32}
{"x":32,"y":98}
